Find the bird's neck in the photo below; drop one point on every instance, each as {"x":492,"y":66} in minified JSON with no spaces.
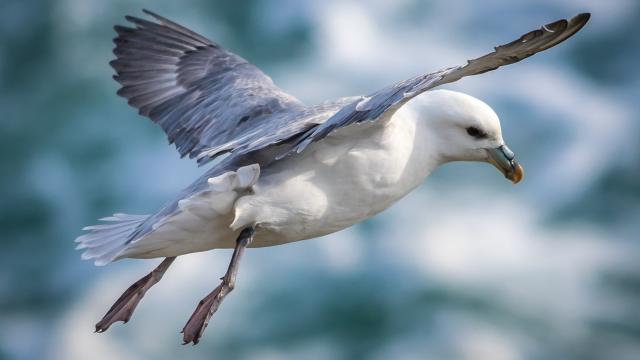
{"x":426,"y":152}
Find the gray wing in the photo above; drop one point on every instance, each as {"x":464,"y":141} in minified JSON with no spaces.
{"x":245,"y":156}
{"x":202,"y":95}
{"x":281,"y":130}
{"x":370,"y":107}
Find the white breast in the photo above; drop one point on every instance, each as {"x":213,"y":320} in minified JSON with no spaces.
{"x":347,"y":177}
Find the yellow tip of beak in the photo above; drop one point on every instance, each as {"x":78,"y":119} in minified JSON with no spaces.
{"x":517,"y":174}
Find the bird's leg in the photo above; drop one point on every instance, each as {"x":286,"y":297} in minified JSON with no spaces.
{"x":123,"y":308}
{"x":193,"y":330}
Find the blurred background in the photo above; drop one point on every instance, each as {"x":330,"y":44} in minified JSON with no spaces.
{"x":466,"y":267}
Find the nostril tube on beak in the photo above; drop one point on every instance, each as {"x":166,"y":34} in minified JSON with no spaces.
{"x":507,"y":152}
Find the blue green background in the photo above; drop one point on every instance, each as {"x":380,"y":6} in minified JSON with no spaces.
{"x":466,"y":267}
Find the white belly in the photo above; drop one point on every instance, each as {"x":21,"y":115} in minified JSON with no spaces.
{"x":335,"y":183}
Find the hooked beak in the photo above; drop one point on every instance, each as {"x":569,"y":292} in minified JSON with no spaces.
{"x":504,"y":159}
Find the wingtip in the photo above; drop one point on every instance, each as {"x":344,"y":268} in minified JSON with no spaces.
{"x":150,"y":13}
{"x":131,"y":18}
{"x":135,"y":19}
{"x":581,"y":19}
{"x":574,"y":24}
{"x":585,"y":15}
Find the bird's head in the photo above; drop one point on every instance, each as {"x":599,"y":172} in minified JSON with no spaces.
{"x":466,"y":129}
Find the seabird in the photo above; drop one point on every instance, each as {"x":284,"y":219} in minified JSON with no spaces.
{"x":291,"y":171}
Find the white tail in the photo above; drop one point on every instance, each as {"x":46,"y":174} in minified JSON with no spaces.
{"x":106,"y":241}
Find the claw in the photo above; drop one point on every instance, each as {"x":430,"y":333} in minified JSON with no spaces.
{"x":123,"y":308}
{"x":197,"y":323}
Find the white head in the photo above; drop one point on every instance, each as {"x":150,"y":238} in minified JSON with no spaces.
{"x":465,"y":129}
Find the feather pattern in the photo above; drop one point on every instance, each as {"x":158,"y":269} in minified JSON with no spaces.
{"x":105,"y":241}
{"x":210,"y":101}
{"x":199,"y":93}
{"x":369,"y":108}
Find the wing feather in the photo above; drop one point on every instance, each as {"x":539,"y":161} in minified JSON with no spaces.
{"x":210,"y":101}
{"x":370,"y":108}
{"x":202,"y":95}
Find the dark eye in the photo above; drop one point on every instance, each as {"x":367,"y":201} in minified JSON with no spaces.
{"x":476,"y":133}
